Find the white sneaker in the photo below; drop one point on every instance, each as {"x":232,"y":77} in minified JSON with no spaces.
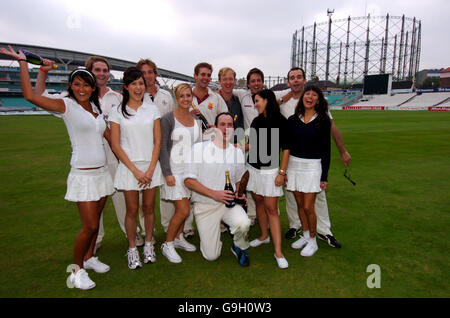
{"x":257,"y":242}
{"x":282,"y":262}
{"x":96,"y":265}
{"x":188,"y":233}
{"x":181,"y":243}
{"x":149,"y":253}
{"x":139,"y":240}
{"x":134,"y":260}
{"x":168,"y":250}
{"x":310,"y":249}
{"x":81,"y":280}
{"x":302,"y":241}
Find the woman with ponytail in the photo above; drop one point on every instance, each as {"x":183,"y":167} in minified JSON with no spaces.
{"x":136,"y":141}
{"x":89,"y":182}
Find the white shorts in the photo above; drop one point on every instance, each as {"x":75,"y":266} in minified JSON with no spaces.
{"x":304,"y":175}
{"x":88,"y":185}
{"x":126,"y":181}
{"x":262,"y":182}
{"x":177,"y":192}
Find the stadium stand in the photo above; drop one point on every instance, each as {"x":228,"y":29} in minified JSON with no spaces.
{"x":427,"y":100}
{"x":385,"y":100}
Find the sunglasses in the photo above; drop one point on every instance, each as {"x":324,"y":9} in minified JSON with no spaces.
{"x":348,"y":175}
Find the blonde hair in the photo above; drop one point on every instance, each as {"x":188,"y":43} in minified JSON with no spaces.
{"x":181,"y":87}
{"x":149,"y":63}
{"x":224,"y":70}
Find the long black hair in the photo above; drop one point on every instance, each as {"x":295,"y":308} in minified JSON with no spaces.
{"x":89,"y":78}
{"x":129,"y":76}
{"x":272,"y":107}
{"x":321,"y":107}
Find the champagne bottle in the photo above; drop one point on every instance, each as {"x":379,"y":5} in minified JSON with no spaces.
{"x":34,"y":58}
{"x":229,"y":187}
{"x":202,"y":118}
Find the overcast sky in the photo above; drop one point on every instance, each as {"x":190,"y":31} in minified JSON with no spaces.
{"x":177,"y":34}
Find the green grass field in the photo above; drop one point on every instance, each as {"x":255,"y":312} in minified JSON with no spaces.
{"x":397,"y":217}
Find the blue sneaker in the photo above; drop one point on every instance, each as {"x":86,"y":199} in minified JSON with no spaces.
{"x":241,"y":255}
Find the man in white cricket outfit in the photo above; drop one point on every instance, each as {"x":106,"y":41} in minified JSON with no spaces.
{"x":288,"y":100}
{"x":205,"y":176}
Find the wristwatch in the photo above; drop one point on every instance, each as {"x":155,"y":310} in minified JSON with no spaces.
{"x":282,"y":172}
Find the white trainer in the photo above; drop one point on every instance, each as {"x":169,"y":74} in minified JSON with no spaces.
{"x":149,"y":253}
{"x":96,"y":265}
{"x":181,"y":243}
{"x":134,"y":260}
{"x":257,"y":242}
{"x":302,"y":241}
{"x":282,"y":262}
{"x":310,"y":249}
{"x":168,"y":250}
{"x":81,"y":280}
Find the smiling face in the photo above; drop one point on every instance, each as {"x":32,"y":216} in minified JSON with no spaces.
{"x":225,"y":127}
{"x":260,"y":104}
{"x":203,"y":78}
{"x":310,"y":99}
{"x":149,"y":75}
{"x":184,"y":98}
{"x":255,"y":83}
{"x":227,"y":82}
{"x":101,"y":73}
{"x":81,"y":89}
{"x":136,"y":89}
{"x":296,"y":81}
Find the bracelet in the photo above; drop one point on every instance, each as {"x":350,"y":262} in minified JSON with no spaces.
{"x":44,"y":71}
{"x":281,"y":100}
{"x":282,"y":172}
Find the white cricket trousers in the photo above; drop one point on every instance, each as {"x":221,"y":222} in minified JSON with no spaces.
{"x":320,"y":206}
{"x":208,"y":217}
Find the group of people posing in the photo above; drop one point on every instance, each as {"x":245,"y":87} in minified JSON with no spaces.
{"x":127,"y":145}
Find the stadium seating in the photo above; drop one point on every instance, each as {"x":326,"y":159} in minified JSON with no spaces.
{"x":385,"y":100}
{"x":427,"y":100}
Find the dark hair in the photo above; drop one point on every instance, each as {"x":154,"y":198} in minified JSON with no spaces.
{"x":94,"y":59}
{"x":202,"y":65}
{"x":321,"y":107}
{"x":296,"y":69}
{"x":129,"y":76}
{"x":272,"y":107}
{"x":216,"y":121}
{"x":254,"y":71}
{"x":89,"y":78}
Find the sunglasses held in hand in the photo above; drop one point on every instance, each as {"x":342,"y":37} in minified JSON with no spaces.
{"x":348,"y":175}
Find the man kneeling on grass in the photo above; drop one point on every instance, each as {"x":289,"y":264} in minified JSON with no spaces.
{"x":205,"y":176}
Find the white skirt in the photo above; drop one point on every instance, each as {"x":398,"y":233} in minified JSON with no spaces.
{"x":262,"y":182}
{"x":126,"y":181}
{"x":88,"y":185}
{"x":177,"y":192}
{"x":304,"y":175}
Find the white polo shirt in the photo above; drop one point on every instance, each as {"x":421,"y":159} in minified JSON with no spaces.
{"x":163,"y":100}
{"x":208,"y":165}
{"x":248,"y":107}
{"x":86,"y":135}
{"x":136,"y":131}
{"x":212,"y":106}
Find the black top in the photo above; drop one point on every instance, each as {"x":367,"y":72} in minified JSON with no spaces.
{"x":266,"y":138}
{"x":310,"y":141}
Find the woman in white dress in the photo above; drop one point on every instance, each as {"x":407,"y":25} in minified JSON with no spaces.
{"x":136,"y":141}
{"x":180,"y":130}
{"x":89,"y":182}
